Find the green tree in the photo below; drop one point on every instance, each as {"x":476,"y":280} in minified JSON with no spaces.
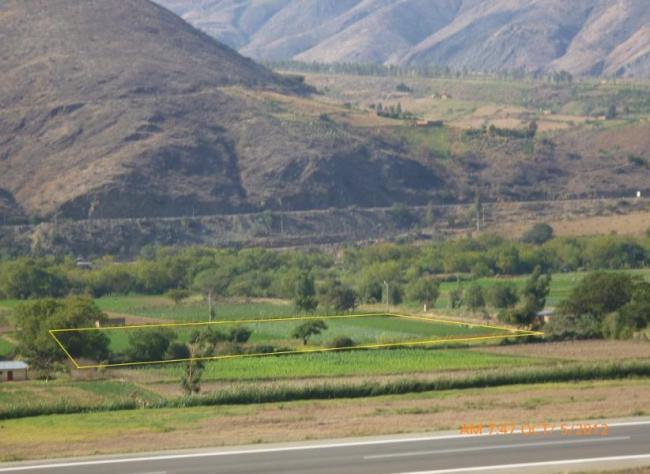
{"x":533,"y":298}
{"x":26,"y":278}
{"x":337,"y":296}
{"x":632,"y":317}
{"x":508,"y":260}
{"x":536,"y":290}
{"x":35,"y":319}
{"x":308,"y":329}
{"x":191,"y":378}
{"x":474,"y":297}
{"x":304,"y":296}
{"x":423,"y":291}
{"x":538,"y":234}
{"x":502,"y":296}
{"x":612,"y":112}
{"x":211,"y":284}
{"x":598,"y":294}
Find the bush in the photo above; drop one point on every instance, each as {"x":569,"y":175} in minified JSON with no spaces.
{"x":240,"y":335}
{"x":149,"y":345}
{"x":261,"y":349}
{"x":572,"y":328}
{"x":341,"y":342}
{"x":177,"y":351}
{"x":538,"y":234}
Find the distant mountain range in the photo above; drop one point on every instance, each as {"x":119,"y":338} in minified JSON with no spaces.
{"x":119,"y":108}
{"x":585,"y":37}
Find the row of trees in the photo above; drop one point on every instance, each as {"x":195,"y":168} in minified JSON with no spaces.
{"x":355,"y":275}
{"x":429,"y":70}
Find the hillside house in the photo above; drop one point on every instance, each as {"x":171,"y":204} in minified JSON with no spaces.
{"x":429,"y":123}
{"x":111,"y":323}
{"x":13,"y":370}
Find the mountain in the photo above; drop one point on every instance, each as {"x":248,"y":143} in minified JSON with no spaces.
{"x":590,"y":37}
{"x":119,"y":108}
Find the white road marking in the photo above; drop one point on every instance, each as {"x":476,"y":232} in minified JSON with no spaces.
{"x":500,"y":446}
{"x":534,"y":464}
{"x":234,"y":452}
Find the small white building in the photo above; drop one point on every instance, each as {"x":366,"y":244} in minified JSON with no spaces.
{"x":13,"y":370}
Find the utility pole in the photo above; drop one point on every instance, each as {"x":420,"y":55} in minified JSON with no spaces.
{"x":210,"y":305}
{"x":387,"y":297}
{"x":479,"y":209}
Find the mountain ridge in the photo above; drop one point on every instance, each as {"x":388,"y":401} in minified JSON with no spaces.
{"x":584,"y":37}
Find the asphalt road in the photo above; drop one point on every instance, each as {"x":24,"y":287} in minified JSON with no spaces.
{"x":626,"y":443}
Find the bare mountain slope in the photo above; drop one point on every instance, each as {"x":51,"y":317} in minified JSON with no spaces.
{"x":580,"y":36}
{"x":118,"y":108}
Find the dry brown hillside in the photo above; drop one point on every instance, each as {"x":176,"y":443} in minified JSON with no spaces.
{"x":119,"y":108}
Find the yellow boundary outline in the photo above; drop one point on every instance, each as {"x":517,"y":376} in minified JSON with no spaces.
{"x":512,"y":333}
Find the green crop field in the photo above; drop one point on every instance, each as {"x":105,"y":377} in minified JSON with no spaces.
{"x":360,"y":363}
{"x":194,"y":309}
{"x":362,"y":329}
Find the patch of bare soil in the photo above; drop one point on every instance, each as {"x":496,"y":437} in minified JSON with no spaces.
{"x":578,"y":350}
{"x":635,"y":223}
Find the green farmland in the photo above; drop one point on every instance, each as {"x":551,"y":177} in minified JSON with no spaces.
{"x":277,"y":334}
{"x":352,"y":363}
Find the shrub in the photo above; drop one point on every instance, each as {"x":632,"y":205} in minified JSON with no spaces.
{"x":261,"y":349}
{"x":572,"y":328}
{"x":149,"y":345}
{"x":240,"y":334}
{"x":176,"y":351}
{"x":341,"y":342}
